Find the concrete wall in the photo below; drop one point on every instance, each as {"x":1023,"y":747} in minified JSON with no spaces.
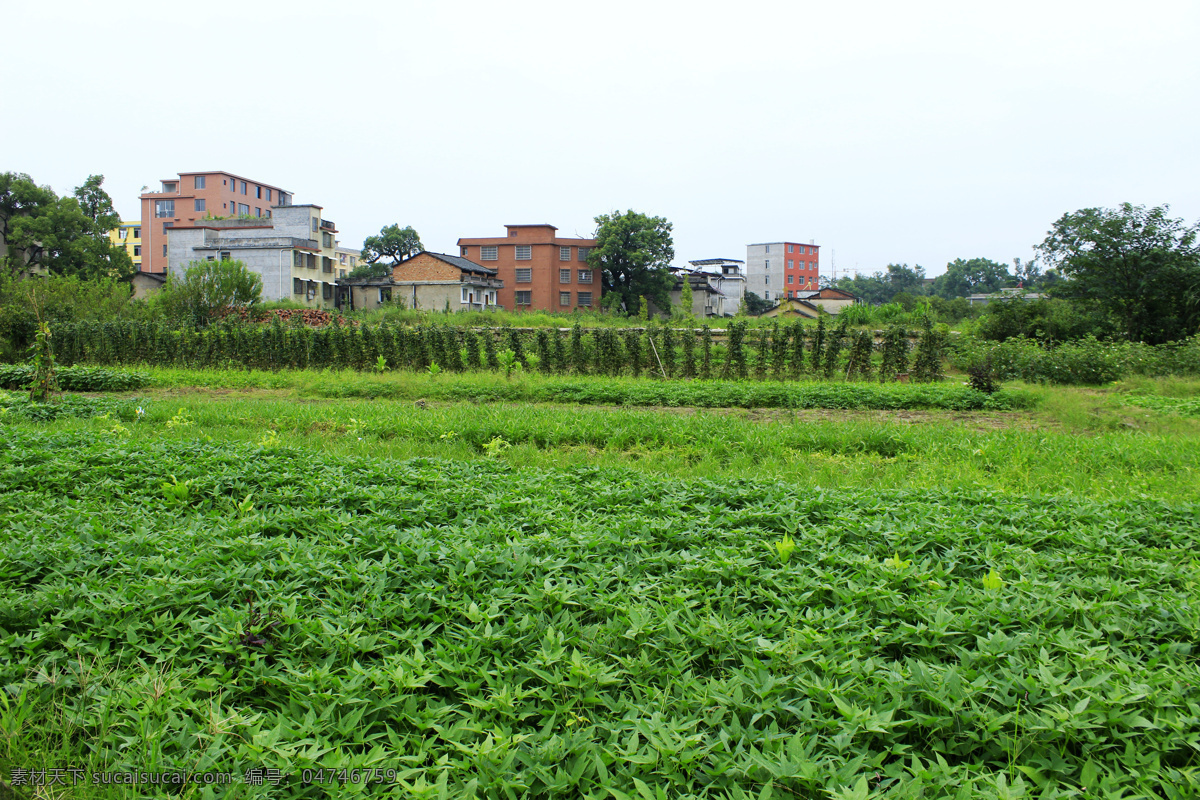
{"x":763,"y":261}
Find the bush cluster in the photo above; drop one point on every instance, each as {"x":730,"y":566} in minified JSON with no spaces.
{"x":1086,"y":361}
{"x":76,"y":378}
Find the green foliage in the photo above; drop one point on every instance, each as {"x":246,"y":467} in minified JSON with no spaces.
{"x":894,"y":353}
{"x":735,"y":353}
{"x":820,"y":340}
{"x":1084,"y":362}
{"x":76,"y":378}
{"x":1047,"y":320}
{"x":392,"y":242}
{"x":963,"y":278}
{"x":632,"y":254}
{"x":931,"y":350}
{"x":208,"y":287}
{"x":1137,"y":265}
{"x":859,"y":365}
{"x":331,"y":612}
{"x":43,"y":382}
{"x":754,"y":305}
{"x":67,"y":235}
{"x":882,"y":287}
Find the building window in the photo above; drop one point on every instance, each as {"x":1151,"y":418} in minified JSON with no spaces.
{"x":164,"y":249}
{"x":524,"y":275}
{"x":243,"y":187}
{"x":564,"y":298}
{"x":327,"y":291}
{"x":199,"y":202}
{"x":564,"y":276}
{"x":327,"y":264}
{"x":585,"y":276}
{"x":585,"y":298}
{"x":789,"y":294}
{"x":316,"y":223}
{"x":257,"y":211}
{"x":225,"y":256}
{"x":790,"y":276}
{"x":164,"y":208}
{"x":512,"y":233}
{"x":341,"y":273}
{"x":464,"y":252}
{"x":792,"y":263}
{"x":489,"y":253}
{"x":583,"y":253}
{"x":137,"y":233}
{"x":167,"y":226}
{"x":524,"y":298}
{"x":268,"y":194}
{"x":243,"y":210}
{"x":385,"y":295}
{"x":326,"y":240}
{"x":199,"y":184}
{"x":297,"y":286}
{"x":169,"y":187}
{"x":766,"y":280}
{"x":258,"y":192}
{"x":768,"y":264}
{"x":123,"y":234}
{"x":767,"y":296}
{"x":790,"y":246}
{"x":564,"y":254}
{"x":768,"y":248}
{"x":137,"y":249}
{"x":524,"y":252}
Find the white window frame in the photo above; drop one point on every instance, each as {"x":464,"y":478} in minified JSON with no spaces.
{"x":523,"y":252}
{"x":564,"y":253}
{"x":564,"y":276}
{"x":517,"y":297}
{"x":585,"y":276}
{"x":489,"y":252}
{"x":524,"y":275}
{"x":564,"y":298}
{"x":581,"y":302}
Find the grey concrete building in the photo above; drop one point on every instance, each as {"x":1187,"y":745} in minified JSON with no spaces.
{"x":294,"y":250}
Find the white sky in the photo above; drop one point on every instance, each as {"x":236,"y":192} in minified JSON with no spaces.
{"x":914,"y":132}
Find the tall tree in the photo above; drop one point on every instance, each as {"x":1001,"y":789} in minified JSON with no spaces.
{"x":43,"y":230}
{"x":1138,"y":265}
{"x":632,"y":255}
{"x":392,"y":242}
{"x":964,"y":278}
{"x":208,"y":287}
{"x":19,"y":197}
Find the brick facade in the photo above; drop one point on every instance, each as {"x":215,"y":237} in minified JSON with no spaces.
{"x":190,"y":198}
{"x":559,"y":278}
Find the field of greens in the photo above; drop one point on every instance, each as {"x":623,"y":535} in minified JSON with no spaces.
{"x":495,"y":597}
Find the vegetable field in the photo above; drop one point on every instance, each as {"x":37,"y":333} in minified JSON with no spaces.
{"x":471,"y":626}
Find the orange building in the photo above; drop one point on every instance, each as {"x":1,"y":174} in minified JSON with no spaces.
{"x":538,"y":269}
{"x":195,"y":196}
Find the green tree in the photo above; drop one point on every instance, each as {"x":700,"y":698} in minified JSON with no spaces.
{"x":392,"y":242}
{"x":754,"y":304}
{"x":963,"y":278}
{"x":881,"y":287}
{"x":208,"y":287}
{"x":632,"y":254}
{"x":373,"y":269}
{"x":1138,"y":265}
{"x":67,"y":235}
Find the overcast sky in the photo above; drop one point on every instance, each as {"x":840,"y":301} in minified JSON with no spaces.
{"x":885,"y":132}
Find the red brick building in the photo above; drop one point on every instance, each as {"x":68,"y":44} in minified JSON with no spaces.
{"x":539,"y":270}
{"x":193,"y":196}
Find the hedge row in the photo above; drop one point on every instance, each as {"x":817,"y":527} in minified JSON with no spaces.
{"x":778,"y":352}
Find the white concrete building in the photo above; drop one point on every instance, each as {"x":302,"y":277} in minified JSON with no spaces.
{"x":775,"y":268}
{"x":727,"y":276}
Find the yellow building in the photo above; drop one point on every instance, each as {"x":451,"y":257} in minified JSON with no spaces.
{"x":129,"y":236}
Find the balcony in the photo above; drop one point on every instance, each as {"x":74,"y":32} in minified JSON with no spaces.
{"x":328,"y":225}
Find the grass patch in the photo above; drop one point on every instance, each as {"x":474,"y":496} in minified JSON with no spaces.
{"x":195,"y":605}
